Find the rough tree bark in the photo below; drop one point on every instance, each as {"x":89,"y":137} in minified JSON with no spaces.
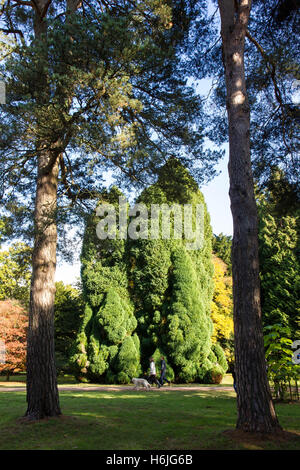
{"x":255,"y":408}
{"x":42,"y":392}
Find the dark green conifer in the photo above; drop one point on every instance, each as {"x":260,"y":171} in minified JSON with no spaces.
{"x":107,"y":349}
{"x":171,"y":285}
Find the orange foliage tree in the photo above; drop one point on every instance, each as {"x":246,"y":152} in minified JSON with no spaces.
{"x":13,"y":332}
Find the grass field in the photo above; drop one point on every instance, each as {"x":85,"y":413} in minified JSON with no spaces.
{"x":135,"y":420}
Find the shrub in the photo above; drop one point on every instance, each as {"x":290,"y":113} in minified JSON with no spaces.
{"x":220,"y":357}
{"x":203,"y":370}
{"x":216,"y":374}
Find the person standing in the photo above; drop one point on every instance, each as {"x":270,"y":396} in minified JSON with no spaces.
{"x":152,"y":378}
{"x":163,"y":370}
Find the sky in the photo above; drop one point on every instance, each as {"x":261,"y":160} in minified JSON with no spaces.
{"x":218,"y":205}
{"x":216,"y":195}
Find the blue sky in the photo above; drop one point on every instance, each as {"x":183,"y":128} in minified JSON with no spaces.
{"x":216,"y":195}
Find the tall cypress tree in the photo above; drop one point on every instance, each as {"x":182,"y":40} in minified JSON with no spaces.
{"x":106,"y":348}
{"x":171,"y":285}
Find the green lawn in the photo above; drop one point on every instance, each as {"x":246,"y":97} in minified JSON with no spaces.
{"x":133,"y":420}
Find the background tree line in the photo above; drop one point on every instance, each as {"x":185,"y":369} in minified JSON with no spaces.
{"x":144,"y":264}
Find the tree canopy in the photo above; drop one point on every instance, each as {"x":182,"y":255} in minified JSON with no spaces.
{"x":114,"y":97}
{"x":222,"y":308}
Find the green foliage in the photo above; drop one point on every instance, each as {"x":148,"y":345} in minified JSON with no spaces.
{"x":106,"y":86}
{"x":127,"y":364}
{"x":148,"y":281}
{"x":222,"y":308}
{"x":272,"y":67}
{"x":282,"y":371}
{"x":221,"y":358}
{"x":171,"y":285}
{"x":15,"y":273}
{"x":106,"y":348}
{"x":279,"y":255}
{"x":215,"y":375}
{"x":157,"y":292}
{"x":68,"y":311}
{"x":204,"y":371}
{"x":7,"y":43}
{"x":221,"y":245}
{"x":170,"y":374}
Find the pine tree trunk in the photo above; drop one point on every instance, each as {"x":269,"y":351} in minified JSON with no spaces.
{"x":42,"y":392}
{"x":255,"y":408}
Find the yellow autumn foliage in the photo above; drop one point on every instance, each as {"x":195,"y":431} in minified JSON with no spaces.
{"x":222,"y":303}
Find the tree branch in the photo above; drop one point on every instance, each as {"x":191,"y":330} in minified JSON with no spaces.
{"x":23,"y":2}
{"x":271,"y":67}
{"x":12,"y":31}
{"x":81,"y":194}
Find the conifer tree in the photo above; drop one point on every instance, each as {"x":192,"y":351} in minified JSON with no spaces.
{"x":13,"y":329}
{"x":171,"y":285}
{"x":148,"y":297}
{"x":279,"y":228}
{"x":106,"y":348}
{"x":189,"y":327}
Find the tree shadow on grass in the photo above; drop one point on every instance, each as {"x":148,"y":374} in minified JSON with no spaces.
{"x":256,"y":440}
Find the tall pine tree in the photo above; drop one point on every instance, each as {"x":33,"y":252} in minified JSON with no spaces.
{"x":90,"y":86}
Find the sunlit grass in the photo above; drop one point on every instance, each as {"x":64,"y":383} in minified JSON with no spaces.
{"x":66,"y":380}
